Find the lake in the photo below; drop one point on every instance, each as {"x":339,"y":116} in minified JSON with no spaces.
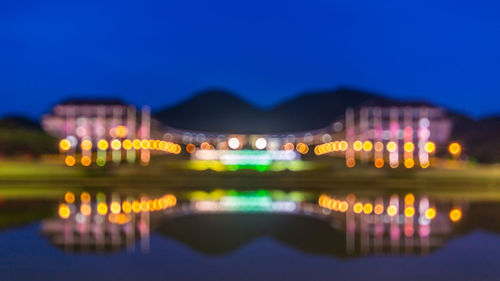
{"x":234,"y":234}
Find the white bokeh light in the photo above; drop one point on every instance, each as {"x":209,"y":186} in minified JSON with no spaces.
{"x":233,"y":143}
{"x":261,"y":143}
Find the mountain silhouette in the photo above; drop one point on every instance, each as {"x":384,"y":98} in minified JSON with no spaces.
{"x":213,"y":110}
{"x":480,"y":138}
{"x":221,"y":111}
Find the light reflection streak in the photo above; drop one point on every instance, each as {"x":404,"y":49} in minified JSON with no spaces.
{"x":384,"y":225}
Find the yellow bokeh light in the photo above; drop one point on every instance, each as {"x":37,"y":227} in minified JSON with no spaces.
{"x":367,"y":146}
{"x":409,"y":211}
{"x":409,"y":147}
{"x":145,"y":144}
{"x":64,"y":145}
{"x":126,"y":207}
{"x":322,"y":199}
{"x":358,"y":145}
{"x":302,"y":148}
{"x":69,"y":197}
{"x":136,"y":206}
{"x":430,"y":213}
{"x":455,"y":214}
{"x":177,"y":149}
{"x":144,"y":205}
{"x":151,"y":207}
{"x":171,"y":200}
{"x":329,"y":203}
{"x":409,"y":163}
{"x":70,"y":161}
{"x":392,"y":210}
{"x":391,"y":146}
{"x":155,"y":204}
{"x":343,"y":145}
{"x":115,"y":207}
{"x":163,"y":145}
{"x":430,"y":147}
{"x":367,"y":208}
{"x":86,"y":145}
{"x":136,"y":144}
{"x":85,"y":197}
{"x":102,"y":208}
{"x":127,"y":144}
{"x":116,"y":144}
{"x":343,"y":206}
{"x":64,"y":211}
{"x":102,"y":144}
{"x":317,"y":150}
{"x":358,"y":208}
{"x":152,"y":144}
{"x":335,"y":205}
{"x":454,"y":148}
{"x":330,"y":147}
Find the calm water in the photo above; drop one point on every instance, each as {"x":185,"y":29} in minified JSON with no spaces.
{"x":248,"y":235}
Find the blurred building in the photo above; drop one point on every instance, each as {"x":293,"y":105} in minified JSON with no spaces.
{"x":97,"y":119}
{"x":409,"y":123}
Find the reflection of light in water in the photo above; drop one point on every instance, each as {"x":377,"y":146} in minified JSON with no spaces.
{"x":89,"y":226}
{"x":405,"y":226}
{"x":399,"y":224}
{"x":244,"y":204}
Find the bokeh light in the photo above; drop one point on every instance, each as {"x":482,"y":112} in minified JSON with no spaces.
{"x":454,"y":148}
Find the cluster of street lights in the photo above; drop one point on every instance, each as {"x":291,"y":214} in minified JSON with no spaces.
{"x":115,"y":148}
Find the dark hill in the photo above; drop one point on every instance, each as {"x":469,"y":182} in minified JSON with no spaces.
{"x":481,"y":138}
{"x":19,"y":122}
{"x":221,"y":111}
{"x":224,"y":233}
{"x":213,"y":110}
{"x":315,"y":110}
{"x":22,"y":136}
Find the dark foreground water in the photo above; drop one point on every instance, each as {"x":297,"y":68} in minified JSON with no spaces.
{"x":260,"y":235}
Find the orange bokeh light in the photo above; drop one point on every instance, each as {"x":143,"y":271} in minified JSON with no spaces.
{"x":190,"y":148}
{"x":455,"y":214}
{"x":454,"y":148}
{"x":64,"y":145}
{"x":70,"y":161}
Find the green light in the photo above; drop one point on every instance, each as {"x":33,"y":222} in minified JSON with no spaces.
{"x":247,"y":203}
{"x":100,"y":197}
{"x":100,"y":161}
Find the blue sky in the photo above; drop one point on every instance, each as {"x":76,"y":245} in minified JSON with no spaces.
{"x":161,"y":52}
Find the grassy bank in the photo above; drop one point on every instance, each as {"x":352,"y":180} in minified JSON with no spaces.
{"x":47,"y":178}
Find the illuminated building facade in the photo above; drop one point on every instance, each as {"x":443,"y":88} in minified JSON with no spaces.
{"x":408,"y":133}
{"x":97,"y":119}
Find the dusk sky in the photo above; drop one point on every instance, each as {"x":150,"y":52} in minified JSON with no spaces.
{"x":161,"y":52}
